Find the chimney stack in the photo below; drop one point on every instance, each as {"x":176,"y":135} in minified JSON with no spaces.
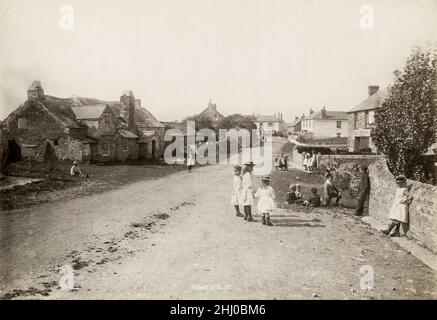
{"x":323,"y":113}
{"x":303,"y":116}
{"x":212,"y":106}
{"x":127,"y":101}
{"x":311,"y":111}
{"x":35,"y":91}
{"x":372,"y":89}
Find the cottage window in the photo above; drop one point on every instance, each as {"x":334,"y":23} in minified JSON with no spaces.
{"x":270,"y":124}
{"x":355,"y":120}
{"x":371,"y":117}
{"x":366,"y":118}
{"x":339,"y":124}
{"x":338,"y":134}
{"x":104,"y":148}
{"x":55,"y":142}
{"x":22,"y":123}
{"x":215,"y":116}
{"x":107,"y":118}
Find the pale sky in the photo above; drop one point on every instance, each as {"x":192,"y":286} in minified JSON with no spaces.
{"x":254,"y":56}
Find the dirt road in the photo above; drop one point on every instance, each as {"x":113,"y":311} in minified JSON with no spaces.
{"x":177,"y":237}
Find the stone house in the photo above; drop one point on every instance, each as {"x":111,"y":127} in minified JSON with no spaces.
{"x":211,"y":113}
{"x":47,"y":128}
{"x":273,"y":123}
{"x":325,"y":124}
{"x":295,"y":127}
{"x":362,"y":118}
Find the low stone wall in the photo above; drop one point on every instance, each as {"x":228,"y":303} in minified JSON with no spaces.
{"x":423,"y":210}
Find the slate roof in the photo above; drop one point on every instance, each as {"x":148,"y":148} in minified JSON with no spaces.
{"x":372,"y":102}
{"x":330,"y":115}
{"x":88,"y":112}
{"x":266,"y":119}
{"x":127,"y":134}
{"x":295,"y":122}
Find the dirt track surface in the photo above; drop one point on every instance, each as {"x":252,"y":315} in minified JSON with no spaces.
{"x":177,"y":237}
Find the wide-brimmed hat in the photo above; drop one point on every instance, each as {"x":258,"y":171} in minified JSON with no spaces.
{"x":237,"y":167}
{"x":297,"y":185}
{"x":75,"y":162}
{"x":400,"y":178}
{"x":265,"y":178}
{"x":249,"y":163}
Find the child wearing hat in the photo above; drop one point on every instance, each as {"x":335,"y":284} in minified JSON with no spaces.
{"x":236,"y":190}
{"x":399,"y":211}
{"x":266,"y":202}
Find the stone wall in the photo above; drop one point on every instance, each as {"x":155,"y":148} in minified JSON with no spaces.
{"x":423,"y":210}
{"x":4,"y":149}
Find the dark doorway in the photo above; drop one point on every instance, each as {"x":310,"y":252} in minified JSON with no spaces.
{"x":49,"y":154}
{"x":153,"y":148}
{"x":14,"y":151}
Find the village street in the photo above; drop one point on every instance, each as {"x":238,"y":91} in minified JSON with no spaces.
{"x":177,"y":237}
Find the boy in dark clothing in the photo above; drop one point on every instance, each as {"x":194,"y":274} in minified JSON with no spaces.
{"x":313,"y":200}
{"x":331,"y":191}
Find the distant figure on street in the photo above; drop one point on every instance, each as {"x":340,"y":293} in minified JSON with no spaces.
{"x":247,"y":191}
{"x":331,"y":191}
{"x":236,"y":191}
{"x":75,"y":171}
{"x":400,"y":209}
{"x":190,"y":162}
{"x":276,"y":164}
{"x":363,"y":190}
{"x":266,"y":202}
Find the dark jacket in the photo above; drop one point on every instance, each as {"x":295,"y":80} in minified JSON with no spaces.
{"x":364,"y":186}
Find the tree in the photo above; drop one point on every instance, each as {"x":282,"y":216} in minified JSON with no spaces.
{"x":405,"y":124}
{"x":236,"y":121}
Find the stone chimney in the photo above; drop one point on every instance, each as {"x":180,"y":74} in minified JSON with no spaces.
{"x":324,"y":113}
{"x":212,"y":106}
{"x":311,"y":111}
{"x":372,"y":89}
{"x":303,"y":116}
{"x":35,"y":91}
{"x":295,"y":118}
{"x":127,"y":101}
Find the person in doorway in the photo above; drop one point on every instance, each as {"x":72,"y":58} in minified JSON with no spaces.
{"x":400,"y":209}
{"x":76,"y":171}
{"x":236,"y":191}
{"x":331,"y":191}
{"x":190,"y":161}
{"x":247,"y":191}
{"x":266,"y":202}
{"x":363,"y":190}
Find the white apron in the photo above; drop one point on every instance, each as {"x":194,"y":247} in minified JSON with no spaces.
{"x":399,"y":209}
{"x":266,"y":202}
{"x":236,"y":191}
{"x":246,"y":192}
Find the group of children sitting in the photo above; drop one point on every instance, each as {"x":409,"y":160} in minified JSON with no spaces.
{"x":295,"y":195}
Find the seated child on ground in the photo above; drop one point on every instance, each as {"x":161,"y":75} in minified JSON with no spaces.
{"x":313,"y":200}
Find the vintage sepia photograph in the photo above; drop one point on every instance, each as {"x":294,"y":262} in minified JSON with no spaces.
{"x":247,"y":151}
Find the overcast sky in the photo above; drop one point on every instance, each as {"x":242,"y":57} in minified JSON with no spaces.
{"x":247,"y":56}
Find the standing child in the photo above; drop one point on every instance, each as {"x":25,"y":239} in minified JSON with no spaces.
{"x":247,"y":191}
{"x":266,"y":202}
{"x":399,"y":211}
{"x":236,"y":191}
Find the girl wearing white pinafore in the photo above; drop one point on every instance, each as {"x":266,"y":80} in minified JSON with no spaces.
{"x":399,"y":211}
{"x":236,"y":191}
{"x":266,"y":202}
{"x":247,"y":191}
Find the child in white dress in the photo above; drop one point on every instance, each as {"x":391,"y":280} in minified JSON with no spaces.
{"x":266,"y":202}
{"x":399,"y":211}
{"x":236,"y":191}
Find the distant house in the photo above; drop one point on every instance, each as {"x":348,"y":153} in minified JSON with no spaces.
{"x":273,"y":123}
{"x":295,"y":127}
{"x":211,"y":113}
{"x":85,"y":129}
{"x":325,"y":124}
{"x":362,"y":118}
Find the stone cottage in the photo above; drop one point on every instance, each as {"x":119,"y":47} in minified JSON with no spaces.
{"x":211,"y":113}
{"x":325,"y":124}
{"x":362,"y":118}
{"x":86,"y":129}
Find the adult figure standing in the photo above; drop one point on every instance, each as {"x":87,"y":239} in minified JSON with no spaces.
{"x":247,"y":191}
{"x":363,"y":190}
